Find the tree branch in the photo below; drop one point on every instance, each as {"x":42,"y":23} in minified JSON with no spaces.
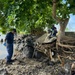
{"x":54,"y":11}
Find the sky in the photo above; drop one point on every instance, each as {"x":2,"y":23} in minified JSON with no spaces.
{"x":71,"y":24}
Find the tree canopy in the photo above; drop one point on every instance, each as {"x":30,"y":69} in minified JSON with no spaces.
{"x":28,"y":15}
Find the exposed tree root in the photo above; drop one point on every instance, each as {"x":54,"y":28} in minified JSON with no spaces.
{"x":63,"y":50}
{"x":66,"y":46}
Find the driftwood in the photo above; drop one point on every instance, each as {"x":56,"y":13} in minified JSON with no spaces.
{"x":64,"y":49}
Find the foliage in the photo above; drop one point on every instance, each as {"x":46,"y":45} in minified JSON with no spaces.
{"x":65,"y":8}
{"x":27,"y":15}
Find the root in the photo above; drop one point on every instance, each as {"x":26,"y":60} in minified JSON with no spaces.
{"x":63,"y":50}
{"x":66,"y":46}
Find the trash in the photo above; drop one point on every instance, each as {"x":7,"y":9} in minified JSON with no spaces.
{"x":4,"y":43}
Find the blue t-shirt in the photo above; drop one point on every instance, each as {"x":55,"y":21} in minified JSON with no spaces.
{"x":9,"y":38}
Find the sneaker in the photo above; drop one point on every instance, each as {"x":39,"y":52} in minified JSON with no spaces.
{"x":12,"y":60}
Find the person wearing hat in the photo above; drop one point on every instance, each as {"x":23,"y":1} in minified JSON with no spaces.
{"x":9,"y":39}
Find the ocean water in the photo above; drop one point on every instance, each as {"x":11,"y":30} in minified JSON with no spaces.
{"x":3,"y":52}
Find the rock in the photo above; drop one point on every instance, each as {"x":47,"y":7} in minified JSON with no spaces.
{"x":28,"y":51}
{"x":24,"y":36}
{"x":3,"y":71}
{"x":67,"y":67}
{"x":16,"y":46}
{"x":25,"y":45}
{"x":20,"y":47}
{"x":38,"y":54}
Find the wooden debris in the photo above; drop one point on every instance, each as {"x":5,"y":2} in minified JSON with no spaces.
{"x":64,"y":49}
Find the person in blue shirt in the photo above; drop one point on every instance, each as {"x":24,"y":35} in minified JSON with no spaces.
{"x":9,"y":39}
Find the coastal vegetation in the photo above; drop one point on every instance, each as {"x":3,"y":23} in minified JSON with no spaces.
{"x":34,"y":15}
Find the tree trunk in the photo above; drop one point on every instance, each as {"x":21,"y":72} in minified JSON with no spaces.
{"x":61,"y":32}
{"x":62,"y":22}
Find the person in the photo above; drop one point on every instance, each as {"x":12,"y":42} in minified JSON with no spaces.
{"x":54,"y":31}
{"x":1,"y":40}
{"x":9,"y":39}
{"x":51,"y":35}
